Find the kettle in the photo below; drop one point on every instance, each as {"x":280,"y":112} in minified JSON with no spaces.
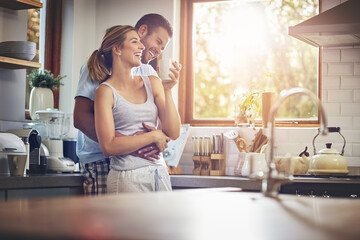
{"x":329,"y":161}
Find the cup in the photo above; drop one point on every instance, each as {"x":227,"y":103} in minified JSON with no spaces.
{"x":17,"y":164}
{"x":254,"y":165}
{"x":164,"y":69}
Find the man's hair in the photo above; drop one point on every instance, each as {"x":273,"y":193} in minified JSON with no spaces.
{"x":154,"y":21}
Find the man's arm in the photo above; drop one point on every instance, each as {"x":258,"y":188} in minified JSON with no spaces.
{"x":84,"y":119}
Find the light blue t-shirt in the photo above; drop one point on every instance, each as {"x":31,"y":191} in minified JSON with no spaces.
{"x":88,"y":150}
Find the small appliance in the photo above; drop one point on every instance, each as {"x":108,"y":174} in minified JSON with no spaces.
{"x":12,"y":155}
{"x":32,"y":141}
{"x":55,"y":125}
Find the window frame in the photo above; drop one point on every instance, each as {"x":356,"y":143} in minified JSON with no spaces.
{"x":186,"y":91}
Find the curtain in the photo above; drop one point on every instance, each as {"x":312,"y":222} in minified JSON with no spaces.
{"x":53,"y":40}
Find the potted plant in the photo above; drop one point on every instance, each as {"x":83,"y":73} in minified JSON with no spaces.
{"x":41,"y":95}
{"x":247,"y":108}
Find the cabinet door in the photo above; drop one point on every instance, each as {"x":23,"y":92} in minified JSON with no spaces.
{"x":14,"y":194}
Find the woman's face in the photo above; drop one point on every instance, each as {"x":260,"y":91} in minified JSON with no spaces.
{"x":132,"y":49}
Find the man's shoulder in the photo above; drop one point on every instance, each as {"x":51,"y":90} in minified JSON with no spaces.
{"x":145,"y":70}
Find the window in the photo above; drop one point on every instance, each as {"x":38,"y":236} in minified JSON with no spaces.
{"x":232,"y":48}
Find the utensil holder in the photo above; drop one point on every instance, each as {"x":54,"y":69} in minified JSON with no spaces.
{"x":197,"y":165}
{"x":218,"y":165}
{"x":205,"y":165}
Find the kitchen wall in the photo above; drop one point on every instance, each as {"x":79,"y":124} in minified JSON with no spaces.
{"x":12,"y":82}
{"x":85,"y":22}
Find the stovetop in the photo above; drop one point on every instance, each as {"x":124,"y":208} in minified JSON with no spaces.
{"x":329,"y":176}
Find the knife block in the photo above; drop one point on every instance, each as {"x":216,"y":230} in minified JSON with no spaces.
{"x":197,"y":165}
{"x":205,"y":165}
{"x":218,"y":165}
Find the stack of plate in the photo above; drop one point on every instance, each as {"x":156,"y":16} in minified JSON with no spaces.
{"x":18,"y":49}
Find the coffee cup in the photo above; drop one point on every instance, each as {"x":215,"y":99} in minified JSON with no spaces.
{"x":254,"y":165}
{"x":164,"y":69}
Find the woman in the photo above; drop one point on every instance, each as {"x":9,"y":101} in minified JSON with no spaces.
{"x":123,"y":103}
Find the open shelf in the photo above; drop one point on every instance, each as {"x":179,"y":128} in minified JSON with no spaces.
{"x":20,"y":4}
{"x":13,"y":63}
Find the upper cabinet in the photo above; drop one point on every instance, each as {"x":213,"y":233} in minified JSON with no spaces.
{"x":13,"y":63}
{"x":20,"y":4}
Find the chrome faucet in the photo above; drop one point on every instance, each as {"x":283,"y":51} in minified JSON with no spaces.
{"x":272,"y":179}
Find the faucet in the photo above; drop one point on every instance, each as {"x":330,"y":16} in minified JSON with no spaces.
{"x":272,"y":180}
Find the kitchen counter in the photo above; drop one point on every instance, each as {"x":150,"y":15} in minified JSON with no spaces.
{"x":346,"y":186}
{"x":38,"y":186}
{"x":183,"y":214}
{"x":302,"y":185}
{"x":41,"y":181}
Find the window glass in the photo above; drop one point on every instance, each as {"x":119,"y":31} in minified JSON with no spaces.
{"x":240,"y":47}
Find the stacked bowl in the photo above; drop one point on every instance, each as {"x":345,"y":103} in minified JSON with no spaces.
{"x":18,"y":49}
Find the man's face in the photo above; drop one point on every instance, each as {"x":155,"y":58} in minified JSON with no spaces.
{"x":155,"y":44}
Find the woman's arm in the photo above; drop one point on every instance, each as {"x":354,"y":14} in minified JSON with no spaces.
{"x":168,"y":114}
{"x":105,"y":129}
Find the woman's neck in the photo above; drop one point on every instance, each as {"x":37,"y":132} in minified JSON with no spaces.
{"x":121,"y":76}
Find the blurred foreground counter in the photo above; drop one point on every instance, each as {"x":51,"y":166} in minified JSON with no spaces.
{"x":223,"y":213}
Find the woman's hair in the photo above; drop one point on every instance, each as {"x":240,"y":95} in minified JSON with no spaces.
{"x":100,"y":61}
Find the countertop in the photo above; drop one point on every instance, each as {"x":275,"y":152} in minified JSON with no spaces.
{"x":182,"y":214}
{"x":178,"y":181}
{"x":41,"y":181}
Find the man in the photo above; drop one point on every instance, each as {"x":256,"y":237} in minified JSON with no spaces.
{"x":155,"y":33}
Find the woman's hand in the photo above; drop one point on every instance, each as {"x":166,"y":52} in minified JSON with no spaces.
{"x":160,"y":139}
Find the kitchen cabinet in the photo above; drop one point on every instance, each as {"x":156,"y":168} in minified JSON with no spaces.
{"x":40,"y":186}
{"x":13,"y":63}
{"x":20,"y":4}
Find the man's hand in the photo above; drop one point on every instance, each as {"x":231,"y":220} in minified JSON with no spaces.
{"x":149,"y":152}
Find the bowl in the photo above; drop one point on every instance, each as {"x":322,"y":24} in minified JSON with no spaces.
{"x":290,"y":165}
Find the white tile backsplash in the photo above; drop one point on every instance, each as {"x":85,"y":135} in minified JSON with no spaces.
{"x":340,"y":96}
{"x":356,"y":124}
{"x":356,"y":68}
{"x":357,"y":96}
{"x":352,"y":82}
{"x":331,"y":55}
{"x":330,"y":82}
{"x":356,"y":150}
{"x":350,"y":55}
{"x":332,"y":109}
{"x":343,"y":122}
{"x":350,"y":109}
{"x":324,"y":69}
{"x":340,"y":69}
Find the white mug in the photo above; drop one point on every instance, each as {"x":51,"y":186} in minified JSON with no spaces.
{"x":164,"y":68}
{"x":254,"y":164}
